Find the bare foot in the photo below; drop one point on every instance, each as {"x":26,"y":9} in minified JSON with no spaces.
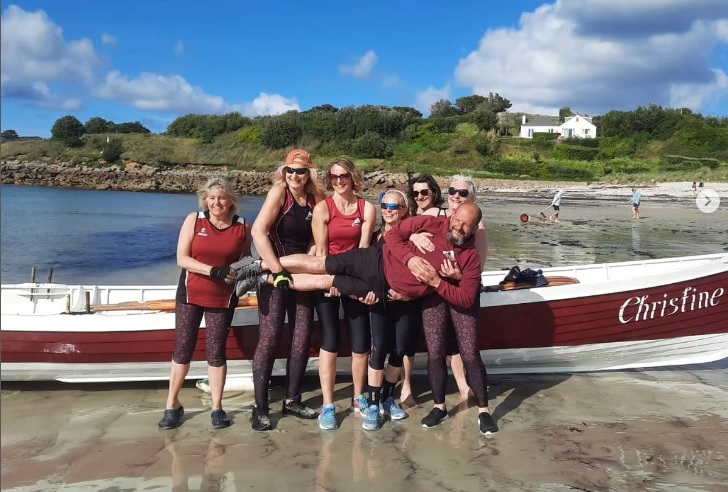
{"x":407,"y":400}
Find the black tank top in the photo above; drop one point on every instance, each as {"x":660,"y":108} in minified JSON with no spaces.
{"x":294,"y":229}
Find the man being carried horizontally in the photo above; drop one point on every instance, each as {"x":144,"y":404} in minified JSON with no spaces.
{"x":398,"y":266}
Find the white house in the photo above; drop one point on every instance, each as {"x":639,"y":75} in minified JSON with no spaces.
{"x":576,"y":126}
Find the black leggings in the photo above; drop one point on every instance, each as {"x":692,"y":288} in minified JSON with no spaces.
{"x":391,"y":325}
{"x":435,"y":312}
{"x":187,"y":319}
{"x":415,"y":331}
{"x":356,"y":313}
{"x":273,"y":305}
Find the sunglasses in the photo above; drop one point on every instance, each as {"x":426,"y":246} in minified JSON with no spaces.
{"x":341,"y":177}
{"x":462,"y":193}
{"x":416,"y":193}
{"x":297,"y":170}
{"x":390,"y":206}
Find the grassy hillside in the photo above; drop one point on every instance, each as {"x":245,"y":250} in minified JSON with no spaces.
{"x":424,"y":148}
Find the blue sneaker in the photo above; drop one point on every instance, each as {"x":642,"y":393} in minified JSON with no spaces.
{"x":371,"y":419}
{"x":395,"y":411}
{"x":360,"y":405}
{"x":327,"y":419}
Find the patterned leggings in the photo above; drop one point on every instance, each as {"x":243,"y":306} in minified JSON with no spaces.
{"x":435,"y":312}
{"x":187,"y":319}
{"x":273,"y":304}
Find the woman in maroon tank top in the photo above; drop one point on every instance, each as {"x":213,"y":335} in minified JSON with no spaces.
{"x":342,"y":222}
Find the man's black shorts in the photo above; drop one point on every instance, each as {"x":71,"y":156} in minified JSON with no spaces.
{"x":358,"y":272}
{"x":556,"y":208}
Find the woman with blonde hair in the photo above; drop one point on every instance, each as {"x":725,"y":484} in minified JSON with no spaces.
{"x":283,"y":227}
{"x":391,"y":323}
{"x":209,"y":241}
{"x":342,"y":222}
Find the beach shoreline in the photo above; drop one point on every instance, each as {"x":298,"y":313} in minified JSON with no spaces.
{"x":631,"y":430}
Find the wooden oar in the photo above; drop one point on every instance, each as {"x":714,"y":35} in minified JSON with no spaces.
{"x":554,"y":281}
{"x":245,"y":302}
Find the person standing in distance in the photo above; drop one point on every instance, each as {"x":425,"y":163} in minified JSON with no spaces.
{"x":556,"y":203}
{"x":636,"y":197}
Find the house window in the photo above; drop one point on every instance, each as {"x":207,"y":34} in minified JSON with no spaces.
{"x":551,"y":130}
{"x":530,"y":132}
{"x":586,"y":131}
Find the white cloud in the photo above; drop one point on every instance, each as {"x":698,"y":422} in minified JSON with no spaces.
{"x":431,"y":95}
{"x":152,"y":92}
{"x":36,"y":58}
{"x":179,"y":47}
{"x":267,"y":104}
{"x":361,"y":68}
{"x":108,"y":39}
{"x":597,"y":55}
{"x":391,"y":81}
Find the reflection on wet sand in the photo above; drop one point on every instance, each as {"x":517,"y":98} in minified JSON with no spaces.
{"x":629,"y":430}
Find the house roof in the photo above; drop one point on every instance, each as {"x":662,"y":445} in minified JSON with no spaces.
{"x":542,"y":121}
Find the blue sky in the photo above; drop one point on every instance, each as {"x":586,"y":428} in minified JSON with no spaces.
{"x":152,"y":61}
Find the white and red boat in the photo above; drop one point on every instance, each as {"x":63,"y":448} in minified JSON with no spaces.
{"x":624,"y":315}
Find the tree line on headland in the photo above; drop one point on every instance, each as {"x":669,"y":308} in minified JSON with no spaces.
{"x":474,"y":134}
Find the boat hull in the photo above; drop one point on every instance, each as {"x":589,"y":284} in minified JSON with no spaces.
{"x":680,"y":317}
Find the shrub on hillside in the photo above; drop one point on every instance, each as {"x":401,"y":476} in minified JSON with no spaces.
{"x":612,"y":147}
{"x":251,"y":135}
{"x":683,"y":163}
{"x":111,"y":151}
{"x":443,"y":125}
{"x":281,"y":132}
{"x":487,"y":145}
{"x":626,"y":166}
{"x":545,"y":136}
{"x":574,"y":153}
{"x":372,"y":146}
{"x":583,"y":142}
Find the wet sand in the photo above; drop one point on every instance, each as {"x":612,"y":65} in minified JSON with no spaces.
{"x":636,"y":430}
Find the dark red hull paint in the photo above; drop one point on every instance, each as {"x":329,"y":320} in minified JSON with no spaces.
{"x":569,"y":322}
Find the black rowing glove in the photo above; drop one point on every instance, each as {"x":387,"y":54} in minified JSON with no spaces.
{"x":282,"y":280}
{"x":220,"y":273}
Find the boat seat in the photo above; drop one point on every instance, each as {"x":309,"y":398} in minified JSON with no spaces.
{"x":554,"y":281}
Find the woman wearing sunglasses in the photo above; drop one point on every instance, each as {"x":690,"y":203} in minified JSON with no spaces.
{"x":283,"y":227}
{"x":342,"y":222}
{"x":391,"y":323}
{"x":427,"y":199}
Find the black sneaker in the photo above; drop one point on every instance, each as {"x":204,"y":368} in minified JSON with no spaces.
{"x":260,"y":420}
{"x":434,"y":417}
{"x":298,"y":409}
{"x":487,"y":425}
{"x":171,"y":419}
{"x":219,"y":419}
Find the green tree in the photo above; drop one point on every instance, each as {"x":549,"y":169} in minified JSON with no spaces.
{"x":67,"y":130}
{"x":9,"y":135}
{"x":498,"y":103}
{"x":443,"y":108}
{"x":485,"y":118}
{"x":468,"y":104}
{"x":97,"y":125}
{"x":565,"y":112}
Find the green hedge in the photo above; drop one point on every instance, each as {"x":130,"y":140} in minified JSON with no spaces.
{"x":545,"y":136}
{"x":574,"y":153}
{"x":583,"y":142}
{"x":683,"y":163}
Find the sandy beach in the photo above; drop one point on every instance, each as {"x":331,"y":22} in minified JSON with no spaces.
{"x":653,"y":430}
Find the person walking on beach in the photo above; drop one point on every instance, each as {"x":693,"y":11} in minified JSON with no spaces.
{"x":556,"y":203}
{"x":342,"y":222}
{"x":636,"y":197}
{"x":283,"y":227}
{"x":398,"y":266}
{"x":391,"y":323}
{"x":694,"y":188}
{"x":209,"y":241}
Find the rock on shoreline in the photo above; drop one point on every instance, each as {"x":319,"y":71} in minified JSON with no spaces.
{"x":134,"y":176}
